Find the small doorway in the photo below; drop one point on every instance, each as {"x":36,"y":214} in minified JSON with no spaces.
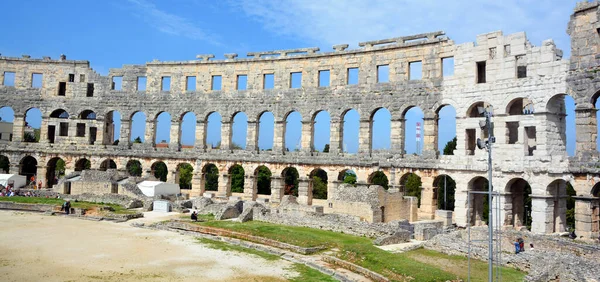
{"x":51,"y":133}
{"x":93,"y":131}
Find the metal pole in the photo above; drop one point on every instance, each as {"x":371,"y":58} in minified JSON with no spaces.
{"x":490,"y":203}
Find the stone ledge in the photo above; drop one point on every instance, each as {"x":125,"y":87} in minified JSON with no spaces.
{"x":355,"y":268}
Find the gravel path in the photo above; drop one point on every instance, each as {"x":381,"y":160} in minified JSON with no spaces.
{"x":36,"y":247}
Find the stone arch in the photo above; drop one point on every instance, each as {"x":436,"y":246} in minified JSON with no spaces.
{"x":54,"y":170}
{"x":59,"y":113}
{"x":319,"y":184}
{"x":211,"y":177}
{"x":108,"y":164}
{"x":239,"y":131}
{"x":347,"y":176}
{"x":520,"y":106}
{"x":478,"y":209}
{"x":28,"y":168}
{"x":137,"y":127}
{"x":187,"y":130}
{"x":554,"y":217}
{"x":184,"y":175}
{"x":445,"y":115}
{"x":262,"y":178}
{"x":559,"y":118}
{"x":349,"y":127}
{"x":236,"y":178}
{"x":82,"y":164}
{"x":159,"y":170}
{"x":290,"y":177}
{"x":87,"y":114}
{"x":444,"y":192}
{"x":413,"y":138}
{"x":162,"y":129}
{"x":380,"y":126}
{"x":112,"y":128}
{"x":410,"y":184}
{"x":134,"y":168}
{"x":7,"y":116}
{"x":520,"y":202}
{"x":320,"y":131}
{"x":379,"y":178}
{"x":473,"y":110}
{"x":32,"y":125}
{"x":265,"y":130}
{"x":292,"y":131}
{"x":212,"y":133}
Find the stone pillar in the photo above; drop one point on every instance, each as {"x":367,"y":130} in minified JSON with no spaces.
{"x":278,"y":137}
{"x":585,"y":122}
{"x":430,"y":135}
{"x":173,"y":176}
{"x":428,"y":205}
{"x":200,"y":135}
{"x":276,"y":189}
{"x":335,"y":137}
{"x":175,"y":135}
{"x":197,"y":187}
{"x":305,"y":191}
{"x":226,"y":135}
{"x":306,"y":141}
{"x":364,"y":137}
{"x":252,"y":138}
{"x":43,"y":130}
{"x":125,"y":137}
{"x":150,"y":134}
{"x":41,"y":175}
{"x":548,"y":214}
{"x":585,"y":207}
{"x":18,"y":128}
{"x":224,"y":189}
{"x":14,"y":168}
{"x":249,"y":188}
{"x":99,"y":125}
{"x":397,"y":135}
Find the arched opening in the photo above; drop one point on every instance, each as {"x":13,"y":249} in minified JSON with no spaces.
{"x":7,"y":118}
{"x":54,"y":171}
{"x":596,"y":103}
{"x":561,"y":115}
{"x":347,"y":176}
{"x":83,"y":164}
{"x":163,"y":130}
{"x":292,"y":130}
{"x":520,"y":106}
{"x":58,"y":125}
{"x":350,"y":127}
{"x":266,"y":127}
{"x":87,"y":114}
{"x":4,"y":164}
{"x":570,"y":213}
{"x":33,"y":123}
{"x":236,"y":177}
{"x":379,"y":178}
{"x":263,"y":180}
{"x":413,"y":133}
{"x":520,"y":200}
{"x":112,"y":128}
{"x":479,"y":206}
{"x":211,"y":177}
{"x":239,"y":131}
{"x":290,"y":176}
{"x":28,"y":168}
{"x":187,"y":131}
{"x":557,"y":207}
{"x":411,"y":184}
{"x":445,"y":188}
{"x":138,"y":128}
{"x":446,"y":129}
{"x":184,"y":176}
{"x":595,"y":209}
{"x":108,"y":164}
{"x":474,"y":110}
{"x":59,"y":113}
{"x":321,"y":132}
{"x":213,"y":131}
{"x":319,"y":184}
{"x":159,"y":170}
{"x":134,"y":168}
{"x":381,"y":121}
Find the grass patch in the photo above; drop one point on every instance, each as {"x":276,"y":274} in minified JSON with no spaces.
{"x":223,"y":246}
{"x":201,"y":217}
{"x":58,"y":202}
{"x":419,"y":265}
{"x":307,"y":274}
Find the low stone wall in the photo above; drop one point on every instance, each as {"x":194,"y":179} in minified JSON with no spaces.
{"x":355,"y":268}
{"x":28,"y":207}
{"x":122,"y":200}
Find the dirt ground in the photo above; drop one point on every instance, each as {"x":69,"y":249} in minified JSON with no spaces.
{"x":36,"y":247}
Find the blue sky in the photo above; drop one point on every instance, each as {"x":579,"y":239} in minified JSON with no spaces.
{"x":116,"y":32}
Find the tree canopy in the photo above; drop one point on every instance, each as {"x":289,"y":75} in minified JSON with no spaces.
{"x":236,"y":175}
{"x":450,"y":147}
{"x":185,"y":176}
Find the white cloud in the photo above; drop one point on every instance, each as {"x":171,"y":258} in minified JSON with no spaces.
{"x":351,"y":21}
{"x":170,"y":23}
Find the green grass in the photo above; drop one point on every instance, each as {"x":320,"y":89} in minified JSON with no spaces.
{"x":420,"y":264}
{"x":307,"y":274}
{"x":58,"y":202}
{"x":223,"y":246}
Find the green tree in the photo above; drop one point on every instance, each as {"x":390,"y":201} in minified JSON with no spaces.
{"x":185,"y":176}
{"x":570,"y":206}
{"x":60,"y":167}
{"x":263,"y":181}
{"x":161,"y":171}
{"x":29,"y":137}
{"x":134,"y":167}
{"x":236,"y":175}
{"x":450,"y":147}
{"x":412,"y":186}
{"x":4,"y":163}
{"x":137,"y":140}
{"x":450,"y":187}
{"x":349,"y":177}
{"x":36,"y":134}
{"x":319,"y":184}
{"x":212,"y":178}
{"x":379,"y":178}
{"x":291,"y":181}
{"x":326,"y":148}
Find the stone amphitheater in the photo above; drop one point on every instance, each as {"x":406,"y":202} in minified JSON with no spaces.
{"x":524,"y":86}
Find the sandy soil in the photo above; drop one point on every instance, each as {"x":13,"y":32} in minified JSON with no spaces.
{"x":36,"y":247}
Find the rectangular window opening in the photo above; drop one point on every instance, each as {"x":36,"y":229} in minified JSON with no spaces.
{"x":81,"y":130}
{"x":190,"y":83}
{"x":117,"y":83}
{"x":295,"y":80}
{"x":141,"y":83}
{"x":36,"y":80}
{"x":530,"y":140}
{"x":481,"y":72}
{"x":324,"y":78}
{"x":512,"y":132}
{"x":447,"y":66}
{"x":352,"y":76}
{"x":216,"y":82}
{"x":90,"y":90}
{"x":241,"y":82}
{"x":383,"y":73}
{"x":471,"y":141}
{"x":165,"y":84}
{"x":71,"y":77}
{"x":415,"y":70}
{"x":62,"y":88}
{"x":521,"y":71}
{"x":268,"y":81}
{"x":63,"y":129}
{"x":9,"y":78}
{"x":82,"y":78}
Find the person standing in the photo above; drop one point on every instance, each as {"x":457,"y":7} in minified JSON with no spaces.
{"x":517,"y":245}
{"x":67,"y":206}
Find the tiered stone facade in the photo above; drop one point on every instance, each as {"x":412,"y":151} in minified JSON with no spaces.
{"x":523,"y":84}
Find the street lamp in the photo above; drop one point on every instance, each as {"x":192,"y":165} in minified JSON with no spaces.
{"x":487,"y":144}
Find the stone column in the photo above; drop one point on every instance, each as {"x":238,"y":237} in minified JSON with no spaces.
{"x":547,"y":214}
{"x":224,"y":189}
{"x":197,"y":185}
{"x":585,"y":122}
{"x":200,"y":135}
{"x":175,"y":135}
{"x":278,"y":137}
{"x":306,"y":140}
{"x":150,"y":134}
{"x":41,"y":175}
{"x":584,"y":208}
{"x":125,"y":137}
{"x":430,"y":135}
{"x":14,"y":168}
{"x":18,"y":128}
{"x":249,"y":188}
{"x":397,"y":135}
{"x":428,"y":205}
{"x":252,"y":138}
{"x":226,"y":135}
{"x":43,"y":130}
{"x":364,"y":137}
{"x":173,"y":176}
{"x":305,"y":191}
{"x":99,"y":125}
{"x":276,"y":189}
{"x":335,"y":137}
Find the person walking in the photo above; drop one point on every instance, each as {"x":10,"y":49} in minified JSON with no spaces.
{"x":67,"y":207}
{"x":517,"y":245}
